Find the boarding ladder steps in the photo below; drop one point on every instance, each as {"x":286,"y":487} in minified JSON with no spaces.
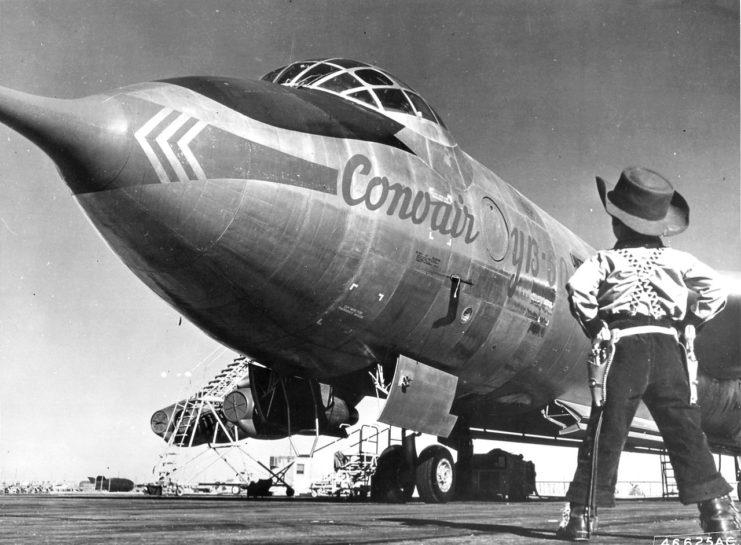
{"x":213,"y":393}
{"x":668,"y":482}
{"x":361,"y":464}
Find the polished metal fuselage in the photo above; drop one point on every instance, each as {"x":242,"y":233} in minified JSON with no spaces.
{"x":321,"y":238}
{"x":323,"y":255}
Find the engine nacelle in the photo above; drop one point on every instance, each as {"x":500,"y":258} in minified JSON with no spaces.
{"x":270,"y":406}
{"x":720,"y":402}
{"x":163,"y":421}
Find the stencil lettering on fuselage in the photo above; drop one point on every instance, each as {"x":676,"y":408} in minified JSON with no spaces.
{"x":447,"y":217}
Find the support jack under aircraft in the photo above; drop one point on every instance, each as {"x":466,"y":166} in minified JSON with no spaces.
{"x":323,"y":221}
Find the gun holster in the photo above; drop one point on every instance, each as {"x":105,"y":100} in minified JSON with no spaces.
{"x":597,"y":367}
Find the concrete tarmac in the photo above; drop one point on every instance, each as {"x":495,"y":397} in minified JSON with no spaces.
{"x":114,"y":519}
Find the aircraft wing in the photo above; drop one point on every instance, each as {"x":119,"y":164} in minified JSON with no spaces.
{"x":564,"y":423}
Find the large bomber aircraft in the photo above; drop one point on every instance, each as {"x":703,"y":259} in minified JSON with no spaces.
{"x":323,"y":221}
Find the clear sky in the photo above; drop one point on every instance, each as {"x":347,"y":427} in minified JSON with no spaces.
{"x":546,"y":94}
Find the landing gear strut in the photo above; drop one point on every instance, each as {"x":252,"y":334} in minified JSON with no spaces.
{"x":394,"y":479}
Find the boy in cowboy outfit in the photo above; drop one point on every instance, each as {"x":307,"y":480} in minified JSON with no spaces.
{"x":642,"y":289}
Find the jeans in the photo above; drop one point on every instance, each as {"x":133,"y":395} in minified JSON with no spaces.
{"x":649,"y":367}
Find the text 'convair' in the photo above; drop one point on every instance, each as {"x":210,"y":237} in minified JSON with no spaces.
{"x":446,"y":217}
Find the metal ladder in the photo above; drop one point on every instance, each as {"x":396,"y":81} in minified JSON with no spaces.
{"x":209,"y":398}
{"x":668,"y":482}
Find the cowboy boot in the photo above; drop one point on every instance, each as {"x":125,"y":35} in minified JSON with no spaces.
{"x":576,"y":529}
{"x":719,"y":515}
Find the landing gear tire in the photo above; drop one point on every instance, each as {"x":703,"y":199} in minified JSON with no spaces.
{"x":393,"y":481}
{"x":435,"y":475}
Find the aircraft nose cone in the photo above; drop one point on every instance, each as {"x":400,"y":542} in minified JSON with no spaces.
{"x":86,"y":138}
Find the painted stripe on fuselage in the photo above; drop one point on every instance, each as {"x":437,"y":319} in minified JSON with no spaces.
{"x":225,"y":144}
{"x":262,"y":163}
{"x":300,"y":110}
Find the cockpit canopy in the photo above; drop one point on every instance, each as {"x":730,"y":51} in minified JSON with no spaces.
{"x":357,"y":82}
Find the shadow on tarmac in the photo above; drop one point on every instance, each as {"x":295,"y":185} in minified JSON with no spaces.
{"x":532,"y":533}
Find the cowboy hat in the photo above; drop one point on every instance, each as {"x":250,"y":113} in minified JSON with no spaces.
{"x":646,"y":202}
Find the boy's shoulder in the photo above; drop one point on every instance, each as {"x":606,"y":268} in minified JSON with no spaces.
{"x":615,"y":254}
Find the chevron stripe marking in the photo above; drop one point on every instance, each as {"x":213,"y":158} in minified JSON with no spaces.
{"x":168,"y":151}
{"x":184,"y":144}
{"x":141,"y":137}
{"x":174,"y":143}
